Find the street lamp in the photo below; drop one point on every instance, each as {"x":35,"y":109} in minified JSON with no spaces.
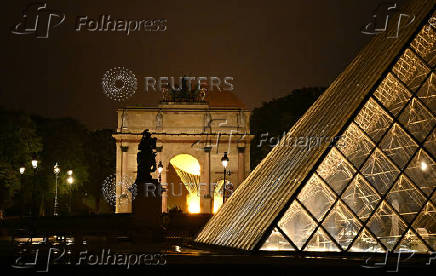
{"x":160,"y":169}
{"x":34,"y":163}
{"x":70,"y":181}
{"x":225,"y":162}
{"x":56,"y":171}
{"x":22,"y":170}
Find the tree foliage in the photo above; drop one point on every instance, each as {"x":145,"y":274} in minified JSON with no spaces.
{"x":274,"y":119}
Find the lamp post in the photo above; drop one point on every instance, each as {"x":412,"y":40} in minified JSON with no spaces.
{"x":70,"y":181}
{"x":35,"y":167}
{"x":160,"y":169}
{"x":56,"y":171}
{"x":225,"y":162}
{"x":22,"y":170}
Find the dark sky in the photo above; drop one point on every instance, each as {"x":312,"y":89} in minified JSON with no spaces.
{"x":269,"y":47}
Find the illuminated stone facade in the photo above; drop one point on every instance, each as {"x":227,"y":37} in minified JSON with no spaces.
{"x":202,"y":131}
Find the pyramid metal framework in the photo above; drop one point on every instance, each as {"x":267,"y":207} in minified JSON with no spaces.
{"x":371,"y":190}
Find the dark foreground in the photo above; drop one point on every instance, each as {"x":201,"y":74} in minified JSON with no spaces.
{"x":116,"y":244}
{"x":186,"y":258}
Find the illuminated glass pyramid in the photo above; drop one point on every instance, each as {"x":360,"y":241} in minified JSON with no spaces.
{"x":371,"y":190}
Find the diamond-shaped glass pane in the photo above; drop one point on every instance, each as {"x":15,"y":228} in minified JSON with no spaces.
{"x":425,"y":45}
{"x":275,"y":242}
{"x":427,"y":93}
{"x":321,"y":242}
{"x":425,"y":225}
{"x":411,"y":70}
{"x":406,"y":199}
{"x":366,"y":243}
{"x":386,"y":225}
{"x":297,"y":224}
{"x":430,"y":144}
{"x":379,"y":171}
{"x":342,"y":225}
{"x":361,"y":197}
{"x":417,"y":119}
{"x":373,"y":120}
{"x":411,"y":242}
{"x":398,"y":145}
{"x":336,"y":171}
{"x":355,"y":145}
{"x":422,"y":170}
{"x":392,"y":94}
{"x":316,"y":197}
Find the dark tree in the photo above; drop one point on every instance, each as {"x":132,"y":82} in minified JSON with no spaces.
{"x":276,"y":117}
{"x":101,"y":160}
{"x":18,"y":142}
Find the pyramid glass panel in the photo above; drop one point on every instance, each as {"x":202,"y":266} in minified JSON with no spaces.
{"x":392,"y":94}
{"x":355,"y":145}
{"x":342,"y":225}
{"x":366,"y":243}
{"x":427,"y":93}
{"x":320,"y":241}
{"x":425,"y":45}
{"x":373,"y":120}
{"x":297,"y":224}
{"x":430,"y":144}
{"x":425,"y":225}
{"x":398,"y":145}
{"x":380,"y":171}
{"x":317,"y":197}
{"x":410,"y":242}
{"x":411,"y":70}
{"x":276,"y":241}
{"x":361,"y":197}
{"x":406,"y":199}
{"x":386,"y":225}
{"x":336,"y":170}
{"x":417,"y":119}
{"x":422,"y":171}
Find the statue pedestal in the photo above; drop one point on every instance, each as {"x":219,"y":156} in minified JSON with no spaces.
{"x":147,"y":206}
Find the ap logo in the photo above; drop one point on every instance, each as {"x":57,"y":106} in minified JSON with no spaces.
{"x":38,"y":20}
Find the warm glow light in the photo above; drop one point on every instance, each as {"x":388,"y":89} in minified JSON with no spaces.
{"x":160,"y":167}
{"x":22,"y":169}
{"x":424,"y":166}
{"x":70,"y":172}
{"x":187,"y":163}
{"x":193,"y":203}
{"x":34,"y":163}
{"x":70,"y":180}
{"x":225,"y":160}
{"x":56,"y":169}
{"x":217,"y":202}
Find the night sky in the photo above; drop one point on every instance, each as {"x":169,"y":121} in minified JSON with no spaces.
{"x":269,"y":47}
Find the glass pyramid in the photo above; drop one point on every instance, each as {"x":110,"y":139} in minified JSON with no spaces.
{"x":374,"y":190}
